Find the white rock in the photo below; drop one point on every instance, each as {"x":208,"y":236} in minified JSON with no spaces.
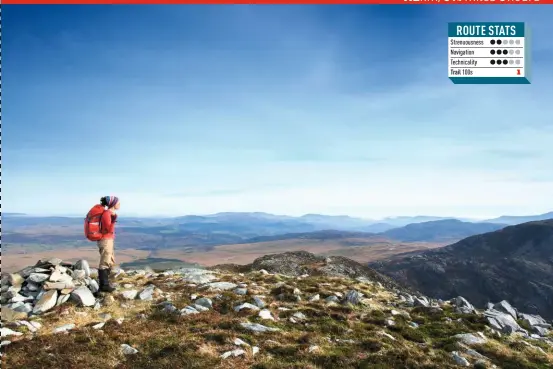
{"x":189,"y":310}
{"x":147,"y":294}
{"x":64,"y":328}
{"x":387,"y":335}
{"x":62,"y":299}
{"x":130,"y":294}
{"x":22,"y":307}
{"x":205,"y":302}
{"x":128,"y":350}
{"x":47,"y":301}
{"x":58,"y":286}
{"x":38,"y":277}
{"x":15,"y":279}
{"x":266,"y":314}
{"x":197,"y":276}
{"x":506,"y":308}
{"x":11,"y":292}
{"x":313,"y":348}
{"x":255,"y":350}
{"x":20,"y":298}
{"x":32,"y":326}
{"x":300,"y":316}
{"x":470,"y":339}
{"x":315,"y":298}
{"x":83,"y":296}
{"x":83,"y":265}
{"x":59,"y":276}
{"x":33,"y":287}
{"x":258,"y":302}
{"x":459,"y":359}
{"x":241,"y":291}
{"x":6,"y":332}
{"x":246,"y":305}
{"x":99,"y":325}
{"x":93,"y":286}
{"x":255,"y":327}
{"x":223,"y":286}
{"x":200,"y":308}
{"x":235,"y":353}
{"x":239,"y":342}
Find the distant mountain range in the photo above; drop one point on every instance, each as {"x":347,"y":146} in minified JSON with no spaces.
{"x":514,"y":263}
{"x":439,"y":230}
{"x":513,"y":220}
{"x":433,"y":231}
{"x":195,"y":231}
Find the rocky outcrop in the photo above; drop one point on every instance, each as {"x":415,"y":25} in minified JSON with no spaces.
{"x":308,"y":317}
{"x":300,"y":263}
{"x":513,"y":264}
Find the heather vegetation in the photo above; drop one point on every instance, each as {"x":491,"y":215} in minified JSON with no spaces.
{"x":327,"y":314}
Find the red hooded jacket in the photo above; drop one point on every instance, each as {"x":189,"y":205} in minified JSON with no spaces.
{"x":108,"y":225}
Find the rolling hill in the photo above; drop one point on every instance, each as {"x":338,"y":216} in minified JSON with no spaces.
{"x":439,"y":231}
{"x":514,"y":264}
{"x":513,"y":220}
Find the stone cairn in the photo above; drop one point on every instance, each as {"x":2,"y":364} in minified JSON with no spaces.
{"x":37,"y":289}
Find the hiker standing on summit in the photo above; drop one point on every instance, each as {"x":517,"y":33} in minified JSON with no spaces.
{"x":100,"y":227}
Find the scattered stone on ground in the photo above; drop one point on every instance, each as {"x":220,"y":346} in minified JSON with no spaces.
{"x":289,"y":306}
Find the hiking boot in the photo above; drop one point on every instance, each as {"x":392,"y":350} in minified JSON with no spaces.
{"x":103,"y":278}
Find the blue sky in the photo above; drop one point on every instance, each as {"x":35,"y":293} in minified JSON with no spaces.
{"x":290,"y":110}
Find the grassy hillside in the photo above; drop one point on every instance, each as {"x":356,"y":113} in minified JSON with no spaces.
{"x":309,"y":333}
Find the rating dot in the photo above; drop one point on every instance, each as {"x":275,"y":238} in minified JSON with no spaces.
{"x":517,"y":62}
{"x":498,"y":61}
{"x":517,"y":42}
{"x":505,"y":52}
{"x":511,"y":42}
{"x":517,"y":52}
{"x":511,"y":52}
{"x":505,"y":42}
{"x":492,"y":42}
{"x":511,"y":61}
{"x":499,"y":42}
{"x":492,"y":62}
{"x":492,"y":52}
{"x":498,"y":52}
{"x":505,"y":62}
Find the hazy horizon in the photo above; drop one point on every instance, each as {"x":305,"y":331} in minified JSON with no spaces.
{"x":206,"y":109}
{"x":390,"y":217}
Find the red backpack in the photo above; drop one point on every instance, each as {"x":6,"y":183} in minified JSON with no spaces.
{"x":93,"y":223}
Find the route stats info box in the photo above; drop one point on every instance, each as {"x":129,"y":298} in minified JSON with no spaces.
{"x":488,"y":53}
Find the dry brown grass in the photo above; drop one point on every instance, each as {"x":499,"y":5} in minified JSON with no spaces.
{"x":13,"y":262}
{"x":197,"y":341}
{"x":366,"y":251}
